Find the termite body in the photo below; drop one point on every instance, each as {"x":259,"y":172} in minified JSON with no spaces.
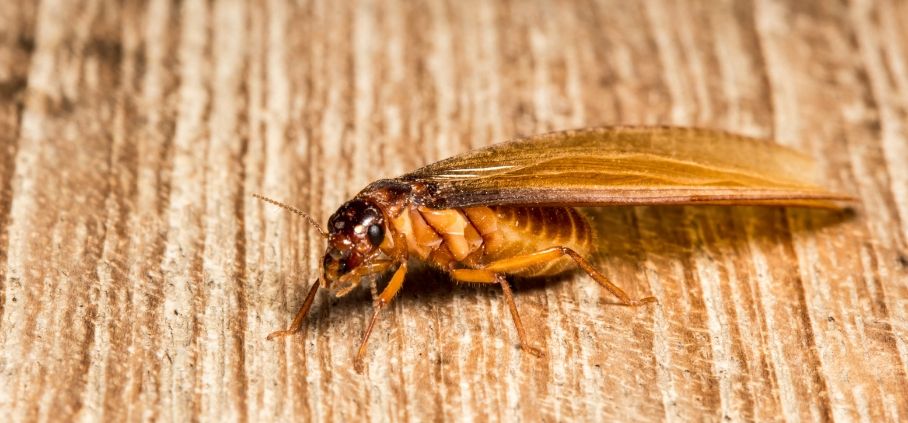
{"x":510,"y":210}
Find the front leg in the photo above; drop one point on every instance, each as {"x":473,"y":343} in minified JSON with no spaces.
{"x":384,"y":299}
{"x":297,"y":323}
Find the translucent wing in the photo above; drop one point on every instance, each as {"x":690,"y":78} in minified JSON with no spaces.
{"x":626,"y":166}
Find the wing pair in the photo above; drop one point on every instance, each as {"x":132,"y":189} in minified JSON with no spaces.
{"x":627,"y":166}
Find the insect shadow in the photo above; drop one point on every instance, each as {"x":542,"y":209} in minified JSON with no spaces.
{"x":674,"y":231}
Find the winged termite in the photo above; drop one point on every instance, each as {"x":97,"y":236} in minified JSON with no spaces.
{"x":509,"y":209}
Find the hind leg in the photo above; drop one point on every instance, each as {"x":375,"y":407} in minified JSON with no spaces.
{"x":517,"y":263}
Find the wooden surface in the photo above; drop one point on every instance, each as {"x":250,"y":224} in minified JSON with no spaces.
{"x":138,"y":277}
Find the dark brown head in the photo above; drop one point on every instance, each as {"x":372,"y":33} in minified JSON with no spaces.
{"x":355,"y":232}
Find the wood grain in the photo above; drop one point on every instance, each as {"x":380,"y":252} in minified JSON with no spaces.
{"x":138,"y":277}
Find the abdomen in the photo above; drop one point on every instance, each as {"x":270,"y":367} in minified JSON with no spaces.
{"x":477,"y":236}
{"x":514,"y":231}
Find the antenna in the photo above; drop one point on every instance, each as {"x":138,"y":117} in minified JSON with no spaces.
{"x":295,"y":210}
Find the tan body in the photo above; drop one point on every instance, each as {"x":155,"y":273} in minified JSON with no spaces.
{"x":507,"y":209}
{"x":477,"y":236}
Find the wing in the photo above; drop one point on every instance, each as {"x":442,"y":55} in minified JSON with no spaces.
{"x":626,"y":166}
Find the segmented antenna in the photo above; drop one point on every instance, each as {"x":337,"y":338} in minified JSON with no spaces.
{"x":295,"y":210}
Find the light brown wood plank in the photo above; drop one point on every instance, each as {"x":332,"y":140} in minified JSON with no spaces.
{"x":139,"y":278}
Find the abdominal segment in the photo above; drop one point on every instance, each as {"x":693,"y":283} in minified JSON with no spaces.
{"x":526,"y":230}
{"x":476,"y":236}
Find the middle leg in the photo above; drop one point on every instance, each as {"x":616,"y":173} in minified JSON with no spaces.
{"x":484,"y":276}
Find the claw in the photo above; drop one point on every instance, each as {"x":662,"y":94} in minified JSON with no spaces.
{"x":279,"y":334}
{"x":533,"y":350}
{"x":643,"y":301}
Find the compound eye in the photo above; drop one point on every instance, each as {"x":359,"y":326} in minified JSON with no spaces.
{"x":376,"y":234}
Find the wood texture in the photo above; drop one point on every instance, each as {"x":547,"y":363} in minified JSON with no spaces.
{"x":138,"y":277}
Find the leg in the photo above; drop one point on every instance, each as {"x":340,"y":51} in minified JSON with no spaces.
{"x":376,"y":267}
{"x":383,"y":299}
{"x":297,"y":323}
{"x":521,"y":262}
{"x":300,"y":315}
{"x":485,"y":276}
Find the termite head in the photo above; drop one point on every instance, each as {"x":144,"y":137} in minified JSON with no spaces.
{"x":355,"y":232}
